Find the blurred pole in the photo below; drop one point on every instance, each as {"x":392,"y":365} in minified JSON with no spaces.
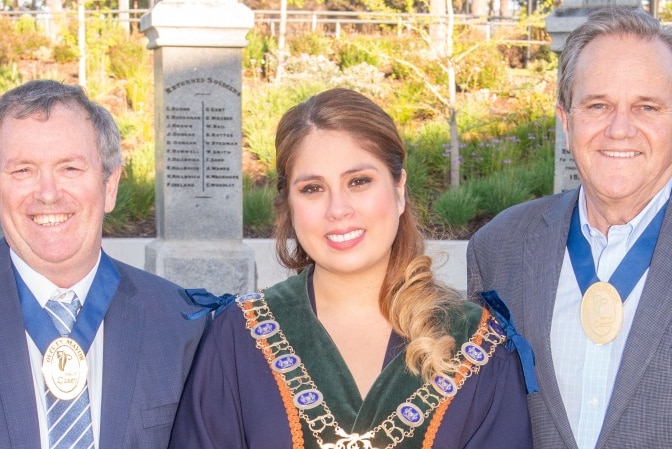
{"x":529,"y":33}
{"x":124,"y":16}
{"x":81,"y":37}
{"x":281,"y":41}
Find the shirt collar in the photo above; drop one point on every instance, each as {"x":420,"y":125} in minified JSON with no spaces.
{"x":42,"y":288}
{"x":635,"y":226}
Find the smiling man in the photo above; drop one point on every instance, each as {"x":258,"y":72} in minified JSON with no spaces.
{"x":95,"y":351}
{"x":587,"y":273}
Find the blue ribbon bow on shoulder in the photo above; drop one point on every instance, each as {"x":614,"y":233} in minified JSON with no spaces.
{"x":514,"y":340}
{"x":209,"y":302}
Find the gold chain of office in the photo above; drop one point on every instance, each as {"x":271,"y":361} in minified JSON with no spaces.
{"x":309,"y":400}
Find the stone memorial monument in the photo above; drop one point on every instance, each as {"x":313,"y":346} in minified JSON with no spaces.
{"x":559,"y":24}
{"x":197,"y":80}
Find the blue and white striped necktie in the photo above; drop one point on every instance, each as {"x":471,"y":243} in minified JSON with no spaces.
{"x":69,"y":421}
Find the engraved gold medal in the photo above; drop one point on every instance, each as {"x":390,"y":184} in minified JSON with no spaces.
{"x":601,"y":312}
{"x":64,"y":368}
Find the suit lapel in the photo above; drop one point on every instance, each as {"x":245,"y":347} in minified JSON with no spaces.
{"x":652,"y":320}
{"x":123,"y":332}
{"x":543,"y":253}
{"x":17,"y":393}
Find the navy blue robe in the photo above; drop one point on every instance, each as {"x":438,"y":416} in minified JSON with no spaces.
{"x":232,"y":401}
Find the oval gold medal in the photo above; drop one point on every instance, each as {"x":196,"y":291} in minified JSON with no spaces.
{"x":64,"y":368}
{"x":602,"y":313}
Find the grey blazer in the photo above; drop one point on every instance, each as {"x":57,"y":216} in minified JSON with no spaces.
{"x":519,"y":254}
{"x":148,"y":350}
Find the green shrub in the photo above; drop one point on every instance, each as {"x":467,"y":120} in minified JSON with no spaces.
{"x":487,"y":157}
{"x":457,"y":207}
{"x":127,"y":55}
{"x":349,"y":54}
{"x":407,"y":105}
{"x":418,"y":184}
{"x":476,"y":117}
{"x":66,"y":48}
{"x":130,"y":61}
{"x":537,"y":176}
{"x":488,"y":149}
{"x":256,"y":54}
{"x":482,"y":68}
{"x":120,"y":220}
{"x":498,"y":192}
{"x":264,"y":106}
{"x":310,"y":44}
{"x":21,"y":39}
{"x":258,"y":213}
{"x":65,"y":52}
{"x":30,"y":40}
{"x":405,"y":48}
{"x":9,"y":76}
{"x":417,"y":173}
{"x":428,"y":143}
{"x":666,"y":13}
{"x":136,"y":194}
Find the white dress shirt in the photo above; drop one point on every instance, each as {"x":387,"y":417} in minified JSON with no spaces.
{"x":42,"y":288}
{"x":586,"y":371}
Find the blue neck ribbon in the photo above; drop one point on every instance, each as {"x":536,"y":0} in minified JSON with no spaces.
{"x":208,"y":302}
{"x":631,"y":268}
{"x":41,"y":328}
{"x":514,"y":340}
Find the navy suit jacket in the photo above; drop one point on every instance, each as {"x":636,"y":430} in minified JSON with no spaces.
{"x":148,"y":349}
{"x":520,"y":254}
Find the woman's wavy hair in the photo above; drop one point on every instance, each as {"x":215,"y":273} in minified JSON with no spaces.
{"x":412,"y":300}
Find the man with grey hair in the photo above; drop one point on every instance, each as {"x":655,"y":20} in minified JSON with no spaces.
{"x":586,"y":273}
{"x":95,"y":352}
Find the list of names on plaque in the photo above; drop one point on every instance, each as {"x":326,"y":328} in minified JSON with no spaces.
{"x":200,"y":142}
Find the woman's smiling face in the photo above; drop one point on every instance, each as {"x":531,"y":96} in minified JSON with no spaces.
{"x":345,"y":205}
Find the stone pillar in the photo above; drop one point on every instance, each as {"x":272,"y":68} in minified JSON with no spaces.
{"x":199,"y":193}
{"x":559,"y":24}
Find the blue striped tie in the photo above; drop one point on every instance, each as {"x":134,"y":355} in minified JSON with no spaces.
{"x":69,"y":421}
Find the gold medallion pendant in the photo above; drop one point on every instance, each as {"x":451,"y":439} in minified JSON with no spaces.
{"x":601,"y":313}
{"x":64,"y":368}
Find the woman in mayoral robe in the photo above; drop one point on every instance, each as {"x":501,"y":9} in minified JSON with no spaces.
{"x":363,"y":347}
